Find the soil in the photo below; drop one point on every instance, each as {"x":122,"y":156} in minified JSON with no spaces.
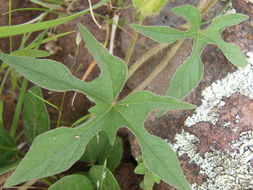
{"x":78,"y":59}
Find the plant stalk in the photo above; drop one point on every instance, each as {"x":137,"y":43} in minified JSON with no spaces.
{"x":133,"y":42}
{"x":169,"y":55}
{"x":18,"y":108}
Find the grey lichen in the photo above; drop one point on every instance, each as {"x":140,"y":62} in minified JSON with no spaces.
{"x":224,"y":170}
{"x":238,"y":81}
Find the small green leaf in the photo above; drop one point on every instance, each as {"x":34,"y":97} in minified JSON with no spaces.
{"x":149,"y":7}
{"x":73,"y":182}
{"x":7,"y":147}
{"x":103,"y":178}
{"x":149,"y":178}
{"x":31,"y":53}
{"x":112,"y":155}
{"x":141,"y":169}
{"x":35,"y":115}
{"x":189,"y":74}
{"x":148,"y":182}
{"x":97,"y":145}
{"x":99,"y":150}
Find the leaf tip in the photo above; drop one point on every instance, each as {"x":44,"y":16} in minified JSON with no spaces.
{"x":134,"y":26}
{"x":179,"y":9}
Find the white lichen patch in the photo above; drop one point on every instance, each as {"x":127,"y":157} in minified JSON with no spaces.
{"x":230,"y":9}
{"x":224,"y":170}
{"x":238,"y":81}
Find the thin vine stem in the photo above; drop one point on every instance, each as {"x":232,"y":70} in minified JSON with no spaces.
{"x":18,"y":108}
{"x":169,"y":55}
{"x":133,"y":42}
{"x":9,"y":22}
{"x":60,"y":111}
{"x":138,"y":63}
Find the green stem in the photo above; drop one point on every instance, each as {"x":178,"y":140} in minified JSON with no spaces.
{"x":18,"y":108}
{"x":18,"y":136}
{"x":60,"y":111}
{"x":159,"y":68}
{"x":132,"y":42}
{"x":4,"y":79}
{"x":1,"y":113}
{"x":9,"y":22}
{"x":138,"y":63}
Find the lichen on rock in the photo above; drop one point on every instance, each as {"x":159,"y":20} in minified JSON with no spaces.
{"x":223,"y":168}
{"x":239,"y":81}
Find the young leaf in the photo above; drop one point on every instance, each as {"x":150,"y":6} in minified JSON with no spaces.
{"x":149,"y":178}
{"x":7,"y":145}
{"x":55,"y":151}
{"x":103,"y":178}
{"x":73,"y":182}
{"x":100,"y":150}
{"x":112,"y":155}
{"x":31,"y":53}
{"x":148,"y":7}
{"x":35,"y":115}
{"x":189,"y":74}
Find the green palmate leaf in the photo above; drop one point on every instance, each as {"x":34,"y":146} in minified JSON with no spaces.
{"x":35,"y":115}
{"x":55,"y":151}
{"x":6,"y":31}
{"x":189,"y":74}
{"x":148,"y":7}
{"x":103,"y":178}
{"x":73,"y":182}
